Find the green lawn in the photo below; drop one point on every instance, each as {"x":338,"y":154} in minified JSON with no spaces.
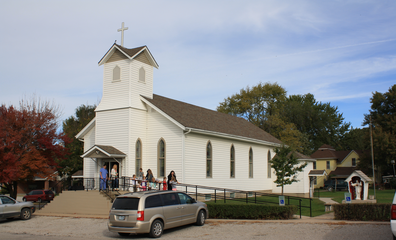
{"x":382,"y":196}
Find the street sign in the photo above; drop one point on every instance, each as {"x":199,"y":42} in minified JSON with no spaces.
{"x":348,"y":198}
{"x":281,"y":200}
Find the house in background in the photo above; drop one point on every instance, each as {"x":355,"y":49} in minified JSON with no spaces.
{"x":134,"y":128}
{"x":337,"y":164}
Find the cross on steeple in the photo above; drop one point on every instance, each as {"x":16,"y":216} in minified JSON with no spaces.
{"x":122,"y":29}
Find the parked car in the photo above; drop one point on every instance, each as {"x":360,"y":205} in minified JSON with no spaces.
{"x":39,"y":196}
{"x":10,"y":208}
{"x":393,"y":217}
{"x":153,"y":211}
{"x":331,"y":185}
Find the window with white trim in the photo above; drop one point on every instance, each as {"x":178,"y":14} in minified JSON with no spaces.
{"x":250,"y":163}
{"x":209,"y":160}
{"x":232,"y":162}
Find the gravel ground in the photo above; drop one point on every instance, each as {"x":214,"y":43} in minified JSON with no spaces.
{"x":40,"y":227}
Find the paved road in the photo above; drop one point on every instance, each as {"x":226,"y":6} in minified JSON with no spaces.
{"x":65,"y":228}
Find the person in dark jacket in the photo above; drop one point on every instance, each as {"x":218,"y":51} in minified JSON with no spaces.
{"x":172,"y":180}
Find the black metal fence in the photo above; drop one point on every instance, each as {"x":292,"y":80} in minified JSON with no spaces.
{"x":203,"y":193}
{"x":224,"y":195}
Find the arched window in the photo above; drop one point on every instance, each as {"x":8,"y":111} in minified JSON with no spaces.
{"x":232,"y":162}
{"x":269,"y":164}
{"x":161,"y":158}
{"x":250,"y":163}
{"x":209,"y":160}
{"x":116,"y":73}
{"x":142,"y":75}
{"x":138,"y":156}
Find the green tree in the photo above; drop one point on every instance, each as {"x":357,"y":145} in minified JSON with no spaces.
{"x":254,"y":104}
{"x":320,"y":122}
{"x":261,"y":105}
{"x":71,"y":127}
{"x":383,"y":117}
{"x":355,"y":139}
{"x":286,"y":166}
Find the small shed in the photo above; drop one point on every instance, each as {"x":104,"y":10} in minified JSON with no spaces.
{"x":313,"y":174}
{"x":358,"y":184}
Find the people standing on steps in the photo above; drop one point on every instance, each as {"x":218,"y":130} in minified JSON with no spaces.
{"x":114,"y":177}
{"x":103,"y":177}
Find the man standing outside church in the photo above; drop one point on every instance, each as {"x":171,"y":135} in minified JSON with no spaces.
{"x":103,"y":177}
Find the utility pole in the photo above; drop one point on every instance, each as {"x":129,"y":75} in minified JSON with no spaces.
{"x":372,"y":154}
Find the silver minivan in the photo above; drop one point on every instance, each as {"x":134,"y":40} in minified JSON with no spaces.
{"x":153,"y":211}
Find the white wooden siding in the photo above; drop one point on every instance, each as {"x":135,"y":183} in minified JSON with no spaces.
{"x":302,"y":186}
{"x":195,"y":163}
{"x":89,"y":168}
{"x":160,"y":127}
{"x":125,"y":92}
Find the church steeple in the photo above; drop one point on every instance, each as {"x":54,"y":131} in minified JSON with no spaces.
{"x":127,"y":75}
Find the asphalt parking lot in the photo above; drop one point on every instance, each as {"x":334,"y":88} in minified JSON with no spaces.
{"x":60,"y":228}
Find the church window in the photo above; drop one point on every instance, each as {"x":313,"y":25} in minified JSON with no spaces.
{"x":269,"y":164}
{"x":232,"y":162}
{"x":138,"y":157}
{"x":142,"y":75}
{"x":116,"y":73}
{"x":209,"y":160}
{"x":161,"y":158}
{"x":250,"y":163}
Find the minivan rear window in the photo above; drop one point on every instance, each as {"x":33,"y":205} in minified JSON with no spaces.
{"x":126,"y":203}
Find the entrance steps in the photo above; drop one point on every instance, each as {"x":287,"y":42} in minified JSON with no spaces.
{"x":79,"y":204}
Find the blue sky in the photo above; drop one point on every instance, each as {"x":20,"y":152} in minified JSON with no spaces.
{"x":340,"y":51}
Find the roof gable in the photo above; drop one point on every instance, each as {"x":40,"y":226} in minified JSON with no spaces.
{"x":194,"y":117}
{"x":129,"y":53}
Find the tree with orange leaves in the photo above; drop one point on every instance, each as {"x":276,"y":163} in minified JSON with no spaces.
{"x":30,"y":145}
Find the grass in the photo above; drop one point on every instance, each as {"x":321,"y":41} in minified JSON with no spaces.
{"x":382,"y":196}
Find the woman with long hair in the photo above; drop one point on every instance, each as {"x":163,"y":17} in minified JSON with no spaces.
{"x":172,"y":181}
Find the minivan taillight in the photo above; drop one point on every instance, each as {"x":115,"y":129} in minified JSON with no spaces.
{"x":140,"y":216}
{"x":393,"y":212}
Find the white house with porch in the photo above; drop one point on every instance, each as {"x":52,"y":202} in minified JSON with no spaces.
{"x":135,"y":128}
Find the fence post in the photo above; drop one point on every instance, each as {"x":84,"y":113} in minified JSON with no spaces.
{"x":224,"y":196}
{"x":196,"y":193}
{"x":310,"y":207}
{"x":300,"y":208}
{"x":215,"y":195}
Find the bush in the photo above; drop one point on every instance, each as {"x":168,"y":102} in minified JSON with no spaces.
{"x":362,"y":212}
{"x":250,"y":211}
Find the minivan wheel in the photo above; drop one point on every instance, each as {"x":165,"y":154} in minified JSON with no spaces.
{"x":157,"y":228}
{"x":201,"y":218}
{"x":26,"y":214}
{"x":124,"y":234}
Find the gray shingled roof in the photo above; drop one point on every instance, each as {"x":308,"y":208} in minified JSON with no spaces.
{"x":192,"y":116}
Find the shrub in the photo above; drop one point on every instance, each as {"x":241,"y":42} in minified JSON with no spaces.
{"x":362,"y":212}
{"x":250,"y":211}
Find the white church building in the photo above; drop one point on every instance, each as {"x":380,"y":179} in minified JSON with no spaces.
{"x":135,"y":128}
